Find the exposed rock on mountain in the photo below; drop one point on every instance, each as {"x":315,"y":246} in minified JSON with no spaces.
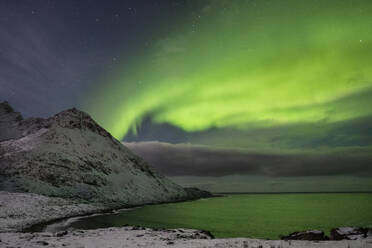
{"x":70,"y":155}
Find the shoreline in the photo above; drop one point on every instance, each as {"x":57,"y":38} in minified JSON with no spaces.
{"x":59,"y":209}
{"x":109,"y":210}
{"x":26,"y":209}
{"x":38,"y":227}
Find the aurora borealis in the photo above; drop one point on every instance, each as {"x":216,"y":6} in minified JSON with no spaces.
{"x":247,"y":64}
{"x":207,"y":89}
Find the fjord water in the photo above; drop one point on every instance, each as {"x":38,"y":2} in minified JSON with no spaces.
{"x":249,"y":215}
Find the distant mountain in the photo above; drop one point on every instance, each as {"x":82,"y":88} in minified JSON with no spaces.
{"x":70,"y":155}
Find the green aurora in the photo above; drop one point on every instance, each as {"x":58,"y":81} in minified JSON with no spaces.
{"x":247,"y":65}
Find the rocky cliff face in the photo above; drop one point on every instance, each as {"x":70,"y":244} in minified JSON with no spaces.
{"x":70,"y":155}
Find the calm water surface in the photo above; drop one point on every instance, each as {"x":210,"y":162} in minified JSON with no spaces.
{"x":249,"y":215}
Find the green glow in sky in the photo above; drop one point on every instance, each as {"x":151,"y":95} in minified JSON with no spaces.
{"x":247,"y":64}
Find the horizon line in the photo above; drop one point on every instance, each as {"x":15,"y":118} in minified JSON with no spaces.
{"x":293,"y":192}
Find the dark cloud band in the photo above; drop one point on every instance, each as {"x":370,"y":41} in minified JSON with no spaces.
{"x":192,"y":160}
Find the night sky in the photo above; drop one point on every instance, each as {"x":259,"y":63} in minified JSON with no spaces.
{"x":252,"y":95}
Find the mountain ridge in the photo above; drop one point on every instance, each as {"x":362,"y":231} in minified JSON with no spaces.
{"x":69,"y":155}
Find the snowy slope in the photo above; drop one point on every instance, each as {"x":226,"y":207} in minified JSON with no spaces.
{"x":70,"y":155}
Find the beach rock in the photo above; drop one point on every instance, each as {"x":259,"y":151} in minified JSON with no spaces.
{"x":69,"y":155}
{"x":181,"y":233}
{"x":43,"y":243}
{"x":203,"y":234}
{"x":350,"y":233}
{"x":306,"y":235}
{"x":61,"y":233}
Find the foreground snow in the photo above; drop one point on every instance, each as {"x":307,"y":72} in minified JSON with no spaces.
{"x":21,"y":210}
{"x":127,"y":237}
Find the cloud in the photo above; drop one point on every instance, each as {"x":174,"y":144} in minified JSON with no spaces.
{"x":194,"y":160}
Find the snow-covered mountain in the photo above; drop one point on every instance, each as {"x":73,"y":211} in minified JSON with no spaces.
{"x":70,"y":155}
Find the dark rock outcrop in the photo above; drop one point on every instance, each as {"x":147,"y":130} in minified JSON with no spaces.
{"x":9,"y":122}
{"x":203,"y":234}
{"x":69,"y":155}
{"x":350,"y":233}
{"x":339,"y":233}
{"x":306,"y":235}
{"x":195,"y":193}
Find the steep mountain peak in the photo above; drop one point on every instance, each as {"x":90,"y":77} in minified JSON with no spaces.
{"x":76,"y":119}
{"x":70,"y":155}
